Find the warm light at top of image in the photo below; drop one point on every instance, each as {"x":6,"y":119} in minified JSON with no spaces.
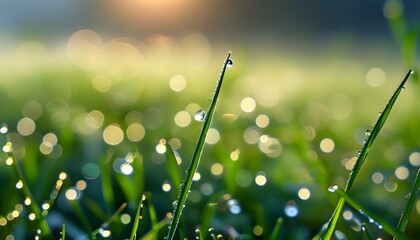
{"x":152,"y":13}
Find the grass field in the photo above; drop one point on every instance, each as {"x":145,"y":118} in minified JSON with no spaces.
{"x":287,"y":127}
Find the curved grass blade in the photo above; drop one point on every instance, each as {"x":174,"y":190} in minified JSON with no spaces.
{"x":363,"y":154}
{"x":276,"y":230}
{"x":186,"y":185}
{"x":381,"y":223}
{"x":138,"y":217}
{"x":402,"y":224}
{"x":366,"y":232}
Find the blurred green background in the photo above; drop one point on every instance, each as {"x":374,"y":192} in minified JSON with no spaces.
{"x":95,"y":89}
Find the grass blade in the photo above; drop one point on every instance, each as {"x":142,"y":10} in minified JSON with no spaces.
{"x":276,"y":230}
{"x":106,"y":181}
{"x":402,"y":224}
{"x":173,"y":168}
{"x":111,"y":219}
{"x":381,"y":223}
{"x":63,"y":232}
{"x":153,"y":234}
{"x":186,"y":185}
{"x":138,"y":217}
{"x":82,"y":217}
{"x":152,"y":210}
{"x":366,"y":232}
{"x":371,"y":135}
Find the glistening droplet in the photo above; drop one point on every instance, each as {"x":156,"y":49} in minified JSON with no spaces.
{"x":333,"y":188}
{"x":368,"y":132}
{"x":200,"y":115}
{"x":229,"y":63}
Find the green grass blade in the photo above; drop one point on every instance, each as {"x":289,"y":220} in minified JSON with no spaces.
{"x":106,"y":179}
{"x":276,"y":230}
{"x":63,"y":232}
{"x":378,"y":220}
{"x":173,"y":168}
{"x":366,"y":232}
{"x":198,"y":234}
{"x":402,"y":224}
{"x":371,"y":135}
{"x":153,"y":234}
{"x":82,"y":217}
{"x":111,"y":219}
{"x":138,"y":217}
{"x":186,"y":185}
{"x":152,"y":210}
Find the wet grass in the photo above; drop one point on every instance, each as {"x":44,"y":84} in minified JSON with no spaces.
{"x":362,"y":154}
{"x":231,"y":201}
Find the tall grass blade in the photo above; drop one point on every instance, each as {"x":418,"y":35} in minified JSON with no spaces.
{"x":173,"y":168}
{"x":366,"y":232}
{"x":63,"y":232}
{"x":152,"y":210}
{"x":82,"y":217}
{"x":276,"y":230}
{"x":138,"y":217}
{"x":106,"y":181}
{"x":381,"y":223}
{"x":186,"y":185}
{"x":371,"y":135}
{"x":402,"y":224}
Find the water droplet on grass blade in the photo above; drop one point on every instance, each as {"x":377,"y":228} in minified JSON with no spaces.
{"x":333,"y":188}
{"x":200,"y":115}
{"x":411,"y":71}
{"x":229,"y":63}
{"x":368,"y":132}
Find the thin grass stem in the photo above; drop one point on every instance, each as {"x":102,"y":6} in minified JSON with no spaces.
{"x":111,"y":219}
{"x":381,"y":223}
{"x":276,"y":230}
{"x":138,"y":217}
{"x":402,"y":224}
{"x":186,"y":185}
{"x":366,"y":232}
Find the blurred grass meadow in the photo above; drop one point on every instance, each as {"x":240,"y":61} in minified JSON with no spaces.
{"x":91,"y":105}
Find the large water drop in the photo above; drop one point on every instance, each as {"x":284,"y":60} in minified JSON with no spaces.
{"x":333,"y":188}
{"x":200,"y":115}
{"x":229,"y":63}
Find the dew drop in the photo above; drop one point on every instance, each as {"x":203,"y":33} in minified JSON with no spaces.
{"x":200,"y":115}
{"x":333,"y":188}
{"x":368,"y":132}
{"x":229,"y":63}
{"x":175,"y":203}
{"x":411,"y":71}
